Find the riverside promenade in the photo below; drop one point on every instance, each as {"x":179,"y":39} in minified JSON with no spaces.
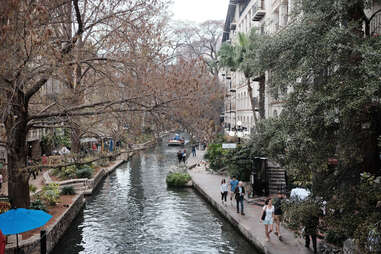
{"x":249,"y":225}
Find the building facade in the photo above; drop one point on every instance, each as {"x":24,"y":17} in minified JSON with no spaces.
{"x":268,"y":17}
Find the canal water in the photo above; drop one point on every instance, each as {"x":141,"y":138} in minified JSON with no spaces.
{"x":133,"y":211}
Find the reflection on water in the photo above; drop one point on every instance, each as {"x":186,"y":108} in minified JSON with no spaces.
{"x":134,"y":212}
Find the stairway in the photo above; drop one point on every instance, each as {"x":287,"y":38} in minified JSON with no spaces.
{"x":276,"y":179}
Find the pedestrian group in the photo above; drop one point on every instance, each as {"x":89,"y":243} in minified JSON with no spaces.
{"x":271,"y":211}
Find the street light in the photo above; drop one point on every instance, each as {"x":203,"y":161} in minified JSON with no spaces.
{"x":239,"y":133}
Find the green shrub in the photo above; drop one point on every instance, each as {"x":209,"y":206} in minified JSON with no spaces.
{"x":85,"y":172}
{"x":335,"y":238}
{"x":69,"y":172}
{"x":63,"y":173}
{"x":37,"y":205}
{"x":32,"y":188}
{"x":68,"y":190}
{"x":177,"y":179}
{"x":299,"y":214}
{"x":216,"y":156}
{"x":51,"y":193}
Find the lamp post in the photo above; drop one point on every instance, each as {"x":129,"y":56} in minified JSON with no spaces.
{"x":238,"y":130}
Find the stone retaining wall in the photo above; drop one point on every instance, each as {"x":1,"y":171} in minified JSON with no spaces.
{"x":54,"y":231}
{"x":259,"y":246}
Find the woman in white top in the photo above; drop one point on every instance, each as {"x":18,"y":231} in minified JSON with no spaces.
{"x":224,"y":191}
{"x":268,"y":220}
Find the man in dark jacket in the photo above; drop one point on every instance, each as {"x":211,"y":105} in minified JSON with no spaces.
{"x":239,"y":196}
{"x":311,"y":223}
{"x":179,"y":156}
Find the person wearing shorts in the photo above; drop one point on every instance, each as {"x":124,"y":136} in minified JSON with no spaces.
{"x":268,"y":220}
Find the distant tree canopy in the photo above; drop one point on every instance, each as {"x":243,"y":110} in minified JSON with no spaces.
{"x":81,"y":65}
{"x":199,"y":41}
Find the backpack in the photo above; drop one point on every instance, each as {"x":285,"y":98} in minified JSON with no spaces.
{"x":278,"y":206}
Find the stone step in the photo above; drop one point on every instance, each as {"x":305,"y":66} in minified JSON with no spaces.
{"x":276,"y":172}
{"x":275,"y":169}
{"x":276,"y":179}
{"x":276,"y":175}
{"x":277,"y":184}
{"x":276,"y":187}
{"x":273,"y":187}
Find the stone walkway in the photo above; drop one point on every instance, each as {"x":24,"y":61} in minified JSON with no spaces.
{"x":192,"y":161}
{"x":249,"y":225}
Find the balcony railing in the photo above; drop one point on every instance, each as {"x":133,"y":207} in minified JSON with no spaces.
{"x":276,"y":3}
{"x":259,"y":10}
{"x":375,"y":25}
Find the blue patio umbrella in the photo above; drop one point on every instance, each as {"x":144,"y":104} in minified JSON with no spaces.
{"x":20,"y":220}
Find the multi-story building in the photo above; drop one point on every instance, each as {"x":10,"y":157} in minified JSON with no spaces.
{"x":269,"y":17}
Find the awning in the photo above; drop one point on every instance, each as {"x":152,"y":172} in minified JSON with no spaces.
{"x":86,"y":140}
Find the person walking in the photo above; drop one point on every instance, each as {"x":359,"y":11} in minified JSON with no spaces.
{"x":1,"y":181}
{"x":239,"y":196}
{"x":224,"y":191}
{"x":94,"y":148}
{"x":311,"y":223}
{"x":179,"y":156}
{"x":233,"y":183}
{"x":194,"y":150}
{"x":267,"y":217}
{"x":184,"y":156}
{"x":278,"y":214}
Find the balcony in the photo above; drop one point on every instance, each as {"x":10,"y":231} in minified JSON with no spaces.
{"x":375,"y":25}
{"x":276,"y":4}
{"x":259,"y":10}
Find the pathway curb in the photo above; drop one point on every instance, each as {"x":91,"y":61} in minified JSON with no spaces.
{"x":258,"y":245}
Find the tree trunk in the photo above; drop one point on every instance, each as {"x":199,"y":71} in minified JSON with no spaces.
{"x":16,"y":129}
{"x":77,"y":100}
{"x":262,"y":87}
{"x":369,"y":145}
{"x":75,"y":138}
{"x":252,"y":103}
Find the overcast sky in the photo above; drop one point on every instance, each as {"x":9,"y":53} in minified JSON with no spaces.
{"x":199,"y":10}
